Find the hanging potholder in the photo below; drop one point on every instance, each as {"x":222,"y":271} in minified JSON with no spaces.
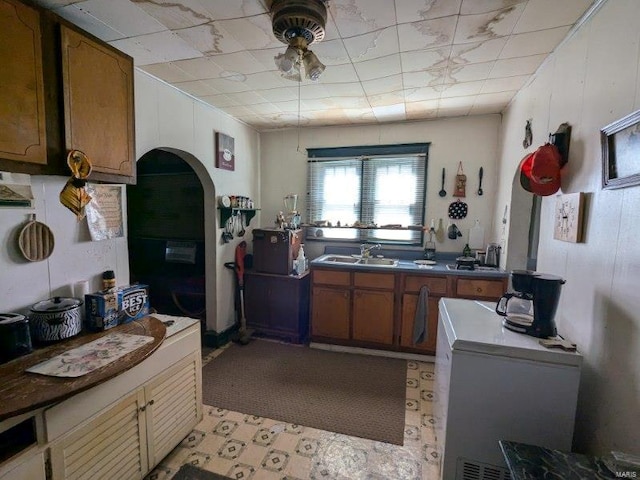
{"x":458,"y":210}
{"x":461,"y":183}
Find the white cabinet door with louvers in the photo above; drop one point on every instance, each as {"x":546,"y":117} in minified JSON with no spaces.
{"x":113,"y":445}
{"x":173,"y":407}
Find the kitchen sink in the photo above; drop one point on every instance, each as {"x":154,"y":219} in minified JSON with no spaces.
{"x":379,"y":262}
{"x":340,"y":259}
{"x":369,"y":261}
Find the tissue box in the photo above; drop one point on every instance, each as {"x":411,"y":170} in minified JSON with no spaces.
{"x":107,"y":309}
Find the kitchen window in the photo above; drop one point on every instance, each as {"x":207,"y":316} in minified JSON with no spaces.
{"x":383,"y":186}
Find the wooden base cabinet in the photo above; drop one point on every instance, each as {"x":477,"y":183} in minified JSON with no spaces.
{"x":377,"y":310}
{"x":277,"y":305}
{"x":131,"y":437}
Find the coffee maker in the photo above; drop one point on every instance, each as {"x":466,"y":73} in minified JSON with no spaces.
{"x":532,"y":307}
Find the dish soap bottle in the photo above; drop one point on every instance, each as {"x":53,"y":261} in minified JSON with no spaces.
{"x":466,"y":251}
{"x":300,"y":264}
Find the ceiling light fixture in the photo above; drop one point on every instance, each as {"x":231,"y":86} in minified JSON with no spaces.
{"x":299,"y":23}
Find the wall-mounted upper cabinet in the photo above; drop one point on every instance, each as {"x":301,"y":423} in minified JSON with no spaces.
{"x":98,"y":103}
{"x":63,"y":89}
{"x":22,"y":112}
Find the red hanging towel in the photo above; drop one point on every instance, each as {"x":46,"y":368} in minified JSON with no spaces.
{"x":241,"y":251}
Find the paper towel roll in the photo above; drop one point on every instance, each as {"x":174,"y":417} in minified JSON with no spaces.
{"x":80,"y":289}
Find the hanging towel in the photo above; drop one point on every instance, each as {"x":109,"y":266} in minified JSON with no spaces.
{"x":421,"y":319}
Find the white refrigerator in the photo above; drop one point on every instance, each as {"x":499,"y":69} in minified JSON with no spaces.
{"x":494,"y":384}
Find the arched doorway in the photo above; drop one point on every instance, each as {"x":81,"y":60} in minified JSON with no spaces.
{"x":171,"y":246}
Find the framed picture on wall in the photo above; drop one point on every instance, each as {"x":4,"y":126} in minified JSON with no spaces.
{"x":620,"y":151}
{"x":225,"y":151}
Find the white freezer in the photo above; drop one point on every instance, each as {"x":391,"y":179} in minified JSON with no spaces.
{"x":494,"y":384}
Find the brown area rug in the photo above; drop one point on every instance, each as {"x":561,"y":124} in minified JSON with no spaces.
{"x":190,"y":472}
{"x":357,"y":395}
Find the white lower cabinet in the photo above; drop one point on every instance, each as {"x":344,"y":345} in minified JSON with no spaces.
{"x":129,"y":438}
{"x":32,"y":468}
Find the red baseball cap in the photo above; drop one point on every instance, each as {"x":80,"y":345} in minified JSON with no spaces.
{"x":540,"y":171}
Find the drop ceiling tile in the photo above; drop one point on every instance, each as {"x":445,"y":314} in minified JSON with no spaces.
{"x":174,"y":15}
{"x":360,"y":115}
{"x":224,"y":9}
{"x":315,"y":91}
{"x":123,"y":16}
{"x":168,"y":72}
{"x":330,"y":52}
{"x":387,"y":99}
{"x":418,"y":60}
{"x":339,"y":74}
{"x":422,"y":110}
{"x":200,"y":68}
{"x":494,"y":99}
{"x":266,"y":57}
{"x":543,"y":14}
{"x":166,"y":47}
{"x":423,"y":79}
{"x":416,"y":95}
{"x":247,"y":98}
{"x":471,"y":7}
{"x":474,"y":28}
{"x":378,"y":68}
{"x":390,"y":113}
{"x":469,"y":73}
{"x":426,"y":34}
{"x":268,"y":80}
{"x":210,"y":39}
{"x":464,"y":89}
{"x":506,"y":84}
{"x":409,"y":10}
{"x":486,"y":109}
{"x":91,"y":24}
{"x":533,"y":43}
{"x":253,"y":32}
{"x":197,"y":88}
{"x":141,"y":55}
{"x":219,"y":101}
{"x":264,"y":108}
{"x":516,"y":66}
{"x":241,"y":62}
{"x":463,"y":103}
{"x":479,"y":52}
{"x":279,"y":94}
{"x":355,"y":17}
{"x":345,"y":89}
{"x":372,"y":45}
{"x":228,"y":85}
{"x":238,"y":111}
{"x":392,"y":83}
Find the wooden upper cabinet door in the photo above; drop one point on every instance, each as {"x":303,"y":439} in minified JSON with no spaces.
{"x":98,"y":104}
{"x":22,"y":115}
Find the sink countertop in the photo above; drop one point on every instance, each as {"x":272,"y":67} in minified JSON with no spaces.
{"x":408,"y":266}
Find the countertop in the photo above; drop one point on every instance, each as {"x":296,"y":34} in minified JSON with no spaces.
{"x":474,"y":326}
{"x":529,"y":462}
{"x":408,"y":266}
{"x":22,"y":391}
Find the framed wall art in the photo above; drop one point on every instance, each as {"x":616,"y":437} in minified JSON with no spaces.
{"x":620,"y":152}
{"x":225,"y":151}
{"x":569,"y":214}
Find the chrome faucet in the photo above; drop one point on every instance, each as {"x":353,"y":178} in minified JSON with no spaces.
{"x":365,"y":249}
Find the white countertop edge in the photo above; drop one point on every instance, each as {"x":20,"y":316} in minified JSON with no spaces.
{"x":179,"y":323}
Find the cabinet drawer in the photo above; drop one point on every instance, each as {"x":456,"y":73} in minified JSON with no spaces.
{"x":412,"y":283}
{"x":374,"y":280}
{"x":331,"y":277}
{"x":467,"y":287}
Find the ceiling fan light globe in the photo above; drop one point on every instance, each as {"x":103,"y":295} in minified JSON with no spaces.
{"x":312,"y":66}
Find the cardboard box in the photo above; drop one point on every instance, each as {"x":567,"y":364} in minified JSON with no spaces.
{"x":107,"y":309}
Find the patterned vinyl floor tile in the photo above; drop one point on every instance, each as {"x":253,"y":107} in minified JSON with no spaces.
{"x":247,"y":447}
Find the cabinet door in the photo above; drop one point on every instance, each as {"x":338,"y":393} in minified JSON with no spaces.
{"x":173,"y":407}
{"x":373,"y":316}
{"x":98,"y":101}
{"x":409,"y":306}
{"x":31,"y":469}
{"x":113,"y":445}
{"x":256,"y":299}
{"x":22,"y":115}
{"x":330,"y":313}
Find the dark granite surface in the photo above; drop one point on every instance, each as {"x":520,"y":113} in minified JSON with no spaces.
{"x":529,"y":462}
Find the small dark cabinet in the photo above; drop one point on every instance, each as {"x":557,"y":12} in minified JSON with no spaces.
{"x":277,"y":305}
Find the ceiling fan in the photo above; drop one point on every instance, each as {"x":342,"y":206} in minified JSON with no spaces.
{"x":299,"y":23}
